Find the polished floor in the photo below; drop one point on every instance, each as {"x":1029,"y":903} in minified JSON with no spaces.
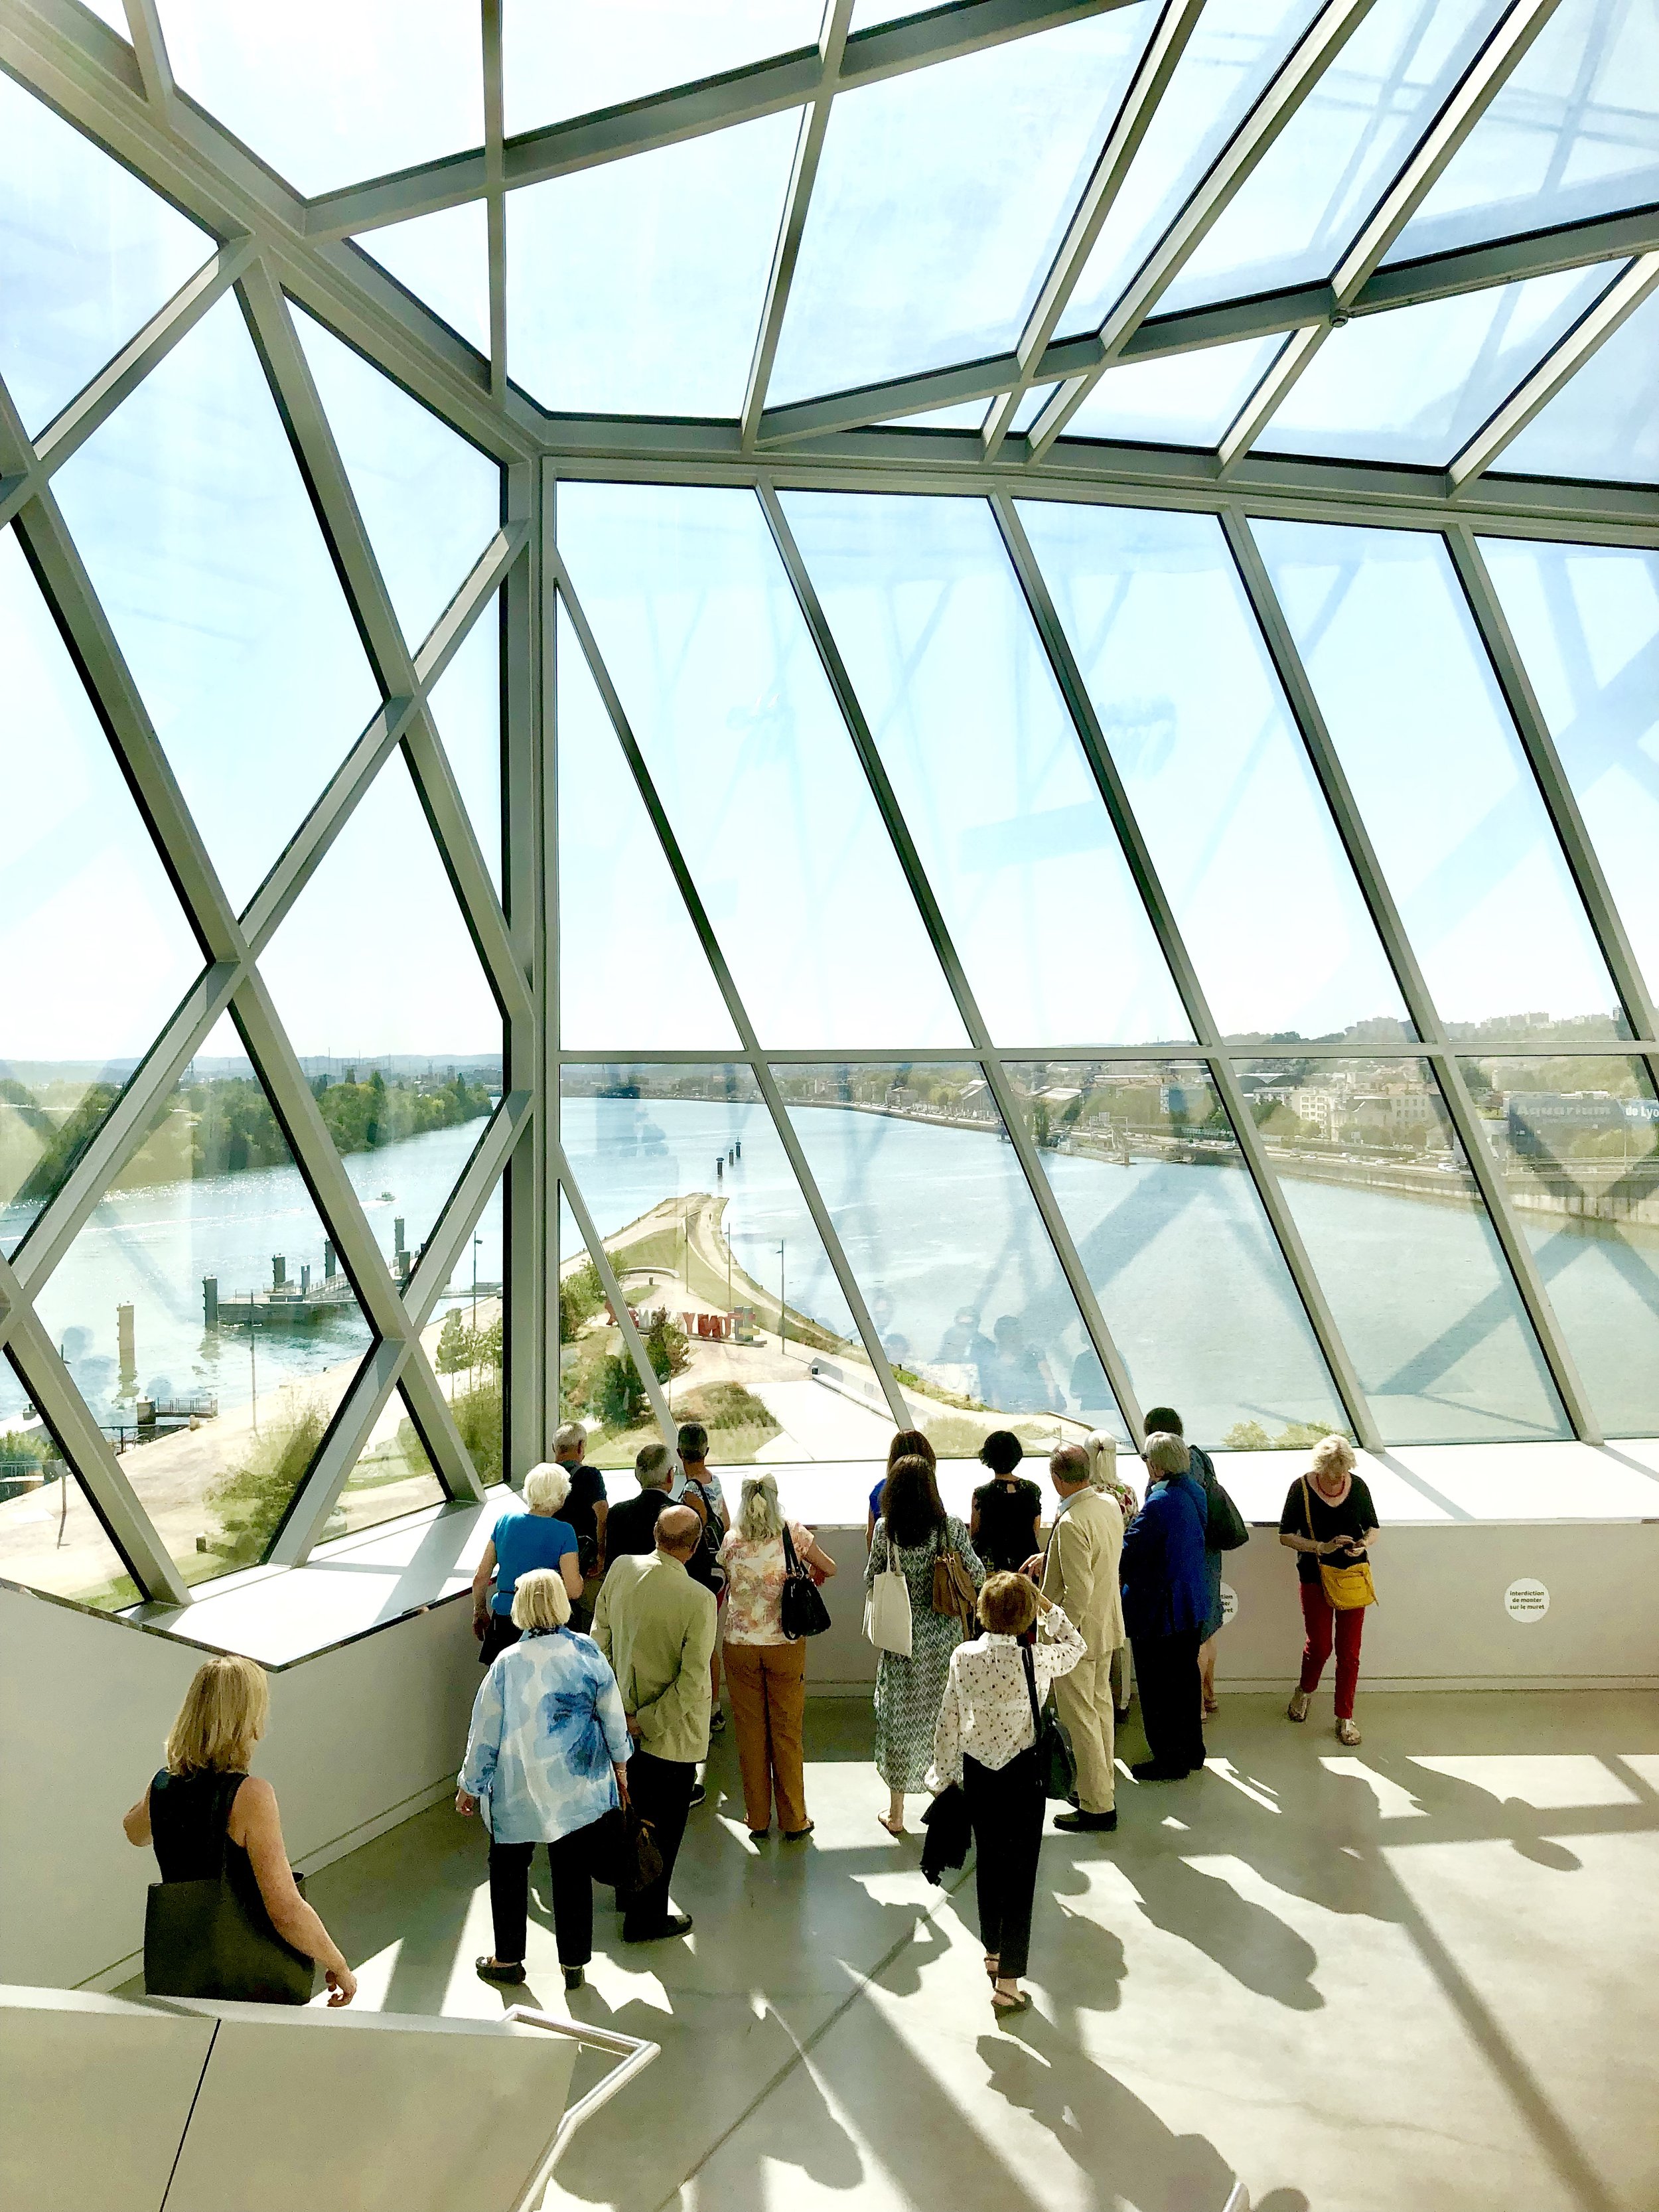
{"x":1419,"y":1977}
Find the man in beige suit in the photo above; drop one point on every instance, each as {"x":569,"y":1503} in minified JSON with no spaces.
{"x":1081,"y":1574}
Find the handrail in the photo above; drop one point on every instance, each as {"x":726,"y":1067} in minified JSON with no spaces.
{"x":636,"y":2053}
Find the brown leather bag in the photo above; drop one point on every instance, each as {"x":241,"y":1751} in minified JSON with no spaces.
{"x":954,"y":1595}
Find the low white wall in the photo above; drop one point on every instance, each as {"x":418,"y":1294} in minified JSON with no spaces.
{"x":360,"y":1738}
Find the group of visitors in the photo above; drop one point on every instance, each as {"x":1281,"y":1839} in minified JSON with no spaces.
{"x":599,"y":1628}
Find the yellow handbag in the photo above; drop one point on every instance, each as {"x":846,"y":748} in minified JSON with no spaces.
{"x":1347,"y":1588}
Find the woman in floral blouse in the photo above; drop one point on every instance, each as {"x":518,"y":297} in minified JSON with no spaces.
{"x":765,"y":1673}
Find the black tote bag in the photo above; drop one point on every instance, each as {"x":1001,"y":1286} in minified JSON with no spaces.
{"x":1054,"y":1758}
{"x":214,"y":1938}
{"x":801,"y":1607}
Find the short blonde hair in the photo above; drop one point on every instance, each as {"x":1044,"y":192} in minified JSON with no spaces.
{"x":759,"y":1513}
{"x":1007,"y":1604}
{"x":1331,"y":1455}
{"x":1102,"y":1448}
{"x":222,"y":1718}
{"x":1166,"y":1454}
{"x":540,"y":1600}
{"x":546,"y":1487}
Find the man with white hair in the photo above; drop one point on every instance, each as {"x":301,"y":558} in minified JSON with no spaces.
{"x":1163,"y":1603}
{"x":631,"y":1526}
{"x":1080,"y":1576}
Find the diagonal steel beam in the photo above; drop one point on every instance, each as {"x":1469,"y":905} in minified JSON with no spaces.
{"x":1161,"y":914}
{"x":809,"y":146}
{"x":1296,"y":76}
{"x":150,"y":48}
{"x":1177,"y":21}
{"x":1461,"y":110}
{"x":869,"y":753}
{"x":494,"y":191}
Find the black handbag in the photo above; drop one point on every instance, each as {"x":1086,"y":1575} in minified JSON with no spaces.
{"x":1225,"y":1527}
{"x":623,"y":1850}
{"x":214,"y":1938}
{"x":1055,"y":1767}
{"x":801,"y":1607}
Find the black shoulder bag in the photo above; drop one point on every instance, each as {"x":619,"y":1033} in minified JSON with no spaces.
{"x":801,"y":1607}
{"x":211,"y":1939}
{"x":1053,"y":1760}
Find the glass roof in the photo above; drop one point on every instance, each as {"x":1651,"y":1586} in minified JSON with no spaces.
{"x":1604,"y":422}
{"x":565,"y":57}
{"x":1186,"y":399}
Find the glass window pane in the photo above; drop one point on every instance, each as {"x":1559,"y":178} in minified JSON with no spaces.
{"x":1184,"y":399}
{"x":1215,"y":769}
{"x":196,"y":528}
{"x":393,"y":1474}
{"x":987,"y":767}
{"x":204,"y":1318}
{"x":51,"y":1538}
{"x":727,"y":697}
{"x":636,"y":287}
{"x":94,"y":949}
{"x":466,"y":706}
{"x":968,"y":416}
{"x":1319,"y":181}
{"x":87,"y":254}
{"x":1412,"y":707}
{"x":623,"y":924}
{"x":941,"y":200}
{"x":1031,"y":407}
{"x":444,"y":260}
{"x":1416,"y":384}
{"x":1604,"y":422}
{"x":430,"y":502}
{"x":1229,"y":61}
{"x":1578,"y":1144}
{"x":944,"y":1237}
{"x":385,"y":1001}
{"x":717,"y":1255}
{"x":326,"y":94}
{"x":1573,"y":133}
{"x":564,"y":58}
{"x":1165,"y":1218}
{"x":1586,"y":618}
{"x":1393,"y":1223}
{"x":467,"y":1344}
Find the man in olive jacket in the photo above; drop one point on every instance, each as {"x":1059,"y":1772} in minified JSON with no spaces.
{"x":1080,"y":1574}
{"x":656,"y":1626}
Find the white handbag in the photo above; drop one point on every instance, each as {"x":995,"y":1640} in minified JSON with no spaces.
{"x":887,"y":1613}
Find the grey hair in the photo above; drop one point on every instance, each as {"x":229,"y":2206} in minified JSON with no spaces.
{"x":654,"y":1466}
{"x":540,"y":1600}
{"x":546,"y":1487}
{"x":759,"y":1514}
{"x":1332,"y":1456}
{"x":1167,"y":1455}
{"x":568,"y":1435}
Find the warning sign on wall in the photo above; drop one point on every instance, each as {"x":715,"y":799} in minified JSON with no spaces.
{"x":1525,"y":1600}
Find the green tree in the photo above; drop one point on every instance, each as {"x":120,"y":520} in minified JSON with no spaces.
{"x":620,"y":1394}
{"x":666,"y":1348}
{"x":250,"y":1500}
{"x":580,"y":1297}
{"x":452,"y":1348}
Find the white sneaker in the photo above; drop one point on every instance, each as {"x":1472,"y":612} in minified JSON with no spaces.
{"x":1348,"y":1731}
{"x":1298,"y":1708}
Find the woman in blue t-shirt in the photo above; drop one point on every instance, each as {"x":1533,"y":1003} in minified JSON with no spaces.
{"x":524,"y":1536}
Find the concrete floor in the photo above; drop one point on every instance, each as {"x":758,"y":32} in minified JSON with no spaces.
{"x":1423,"y":1974}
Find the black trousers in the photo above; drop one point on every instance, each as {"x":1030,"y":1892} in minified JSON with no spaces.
{"x":1171,"y":1697}
{"x":1006,"y":1806}
{"x":499,"y":1633}
{"x":569,"y":1861}
{"x":661,"y":1789}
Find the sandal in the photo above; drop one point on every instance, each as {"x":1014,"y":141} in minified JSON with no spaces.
{"x":900,"y":1829}
{"x":510,"y":1971}
{"x":1003,"y":2005}
{"x":1348,"y":1731}
{"x":991,"y":1962}
{"x":794,"y":1835}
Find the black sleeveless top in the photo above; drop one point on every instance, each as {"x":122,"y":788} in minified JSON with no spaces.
{"x":188,"y":1816}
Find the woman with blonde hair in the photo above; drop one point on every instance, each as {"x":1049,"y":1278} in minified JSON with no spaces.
{"x":765,"y":1673}
{"x":204,"y":1814}
{"x":546,"y":1760}
{"x":1328,"y":1514}
{"x":524,"y":1537}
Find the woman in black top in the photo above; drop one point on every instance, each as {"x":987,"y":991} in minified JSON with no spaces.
{"x":1005,"y":1510}
{"x":1328,"y":1514}
{"x":204,"y":1811}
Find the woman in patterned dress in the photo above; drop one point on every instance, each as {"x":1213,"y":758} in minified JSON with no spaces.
{"x":914,"y":1531}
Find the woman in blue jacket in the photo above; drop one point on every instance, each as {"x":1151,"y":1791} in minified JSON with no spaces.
{"x":1164,"y":1601}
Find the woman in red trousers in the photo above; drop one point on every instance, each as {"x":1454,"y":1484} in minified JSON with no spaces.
{"x":1328,"y":1514}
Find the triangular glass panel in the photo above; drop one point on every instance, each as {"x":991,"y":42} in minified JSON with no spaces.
{"x":716,"y":1253}
{"x":1314,"y":187}
{"x":465,"y":1342}
{"x":94,"y":948}
{"x":1147,"y":1172}
{"x":1031,"y":407}
{"x":204,"y":1317}
{"x":727,"y":698}
{"x":967,"y":416}
{"x":466,"y":706}
{"x":385,"y":1001}
{"x":402,"y":83}
{"x":88,"y":255}
{"x":430,"y":502}
{"x":1603,"y":425}
{"x":1229,"y":61}
{"x":940,"y":201}
{"x":444,"y":260}
{"x":1573,"y":132}
{"x":987,"y":766}
{"x":1415,"y":384}
{"x":618,"y":953}
{"x":393,"y":1475}
{"x":51,"y":1538}
{"x":563,"y":59}
{"x":945,"y":1240}
{"x":1180,"y":399}
{"x":197,"y":530}
{"x":637,"y":286}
